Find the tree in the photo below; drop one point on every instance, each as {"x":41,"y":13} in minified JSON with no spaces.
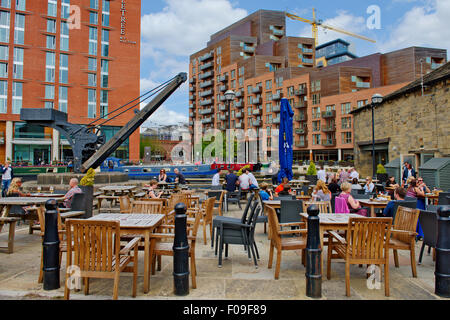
{"x":311,"y":169}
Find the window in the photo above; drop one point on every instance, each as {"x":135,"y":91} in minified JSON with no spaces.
{"x":316,"y":98}
{"x":64,"y":36}
{"x":346,"y":108}
{"x":103,"y":103}
{"x":290,"y":91}
{"x":18,"y":63}
{"x":268,"y":107}
{"x":249,"y":89}
{"x":316,"y":125}
{"x":94,"y":4}
{"x":3,"y":70}
{"x":50,"y":67}
{"x":268,"y":84}
{"x":65,"y":9}
{"x":4,"y":26}
{"x":93,"y":17}
{"x":20,"y":5}
{"x":105,"y":42}
{"x":63,"y":98}
{"x":279,"y":81}
{"x":52,"y":8}
{"x":233,"y":84}
{"x":219,"y":50}
{"x":92,"y":103}
{"x":104,"y":73}
{"x":317,"y":85}
{"x":241,"y":71}
{"x":17,"y":97}
{"x":316,"y":139}
{"x":51,"y":26}
{"x":93,"y":41}
{"x":5,"y":3}
{"x":362,"y":103}
{"x":233,"y":74}
{"x":92,"y":80}
{"x":346,"y":123}
{"x":3,"y":96}
{"x":63,"y":68}
{"x":105,"y":13}
{"x":19,"y":29}
{"x":92,"y":64}
{"x":346,"y":137}
{"x":4,"y":54}
{"x":241,"y":82}
{"x":49,"y":92}
{"x":51,"y":42}
{"x":316,"y":113}
{"x":330,"y":107}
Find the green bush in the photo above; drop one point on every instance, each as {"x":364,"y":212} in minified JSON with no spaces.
{"x":240,"y":170}
{"x":380,"y":169}
{"x":311,"y":169}
{"x":88,"y":179}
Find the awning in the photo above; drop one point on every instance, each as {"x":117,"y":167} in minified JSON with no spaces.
{"x":32,"y":142}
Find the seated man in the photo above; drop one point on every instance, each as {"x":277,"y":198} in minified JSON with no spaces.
{"x":399,"y":195}
{"x":264,"y":193}
{"x":231,"y":180}
{"x":179,"y":177}
{"x":73,"y":190}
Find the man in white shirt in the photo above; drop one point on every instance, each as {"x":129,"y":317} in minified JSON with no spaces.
{"x":354,"y":174}
{"x":322,"y":175}
{"x":253,"y":182}
{"x":7,"y":175}
{"x":216,"y":179}
{"x":244,"y":181}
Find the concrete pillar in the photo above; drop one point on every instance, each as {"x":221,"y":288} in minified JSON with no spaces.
{"x":8,"y":140}
{"x":311,"y":158}
{"x":55,"y":146}
{"x":339,"y":154}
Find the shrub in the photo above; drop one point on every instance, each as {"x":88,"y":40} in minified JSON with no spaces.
{"x":88,"y":179}
{"x":240,"y":170}
{"x":311,"y":169}
{"x":380,"y":169}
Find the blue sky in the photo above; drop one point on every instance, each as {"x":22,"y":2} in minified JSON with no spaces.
{"x":174,"y":29}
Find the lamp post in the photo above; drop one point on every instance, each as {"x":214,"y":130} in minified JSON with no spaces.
{"x":229,"y":96}
{"x":376,"y":100}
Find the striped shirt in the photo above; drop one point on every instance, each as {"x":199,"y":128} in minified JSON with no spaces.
{"x":69,"y":196}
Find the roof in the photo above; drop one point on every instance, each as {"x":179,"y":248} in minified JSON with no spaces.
{"x":332,"y":42}
{"x":431,"y":78}
{"x":435,"y":163}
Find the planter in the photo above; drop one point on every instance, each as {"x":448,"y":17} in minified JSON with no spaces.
{"x":382,"y":177}
{"x":88,"y":199}
{"x":312,"y":179}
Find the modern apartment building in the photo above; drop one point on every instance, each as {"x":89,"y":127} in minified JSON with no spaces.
{"x":279,"y":66}
{"x":77,"y":56}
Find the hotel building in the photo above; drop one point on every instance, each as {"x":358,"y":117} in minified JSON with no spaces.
{"x":257,"y":60}
{"x":70,"y":55}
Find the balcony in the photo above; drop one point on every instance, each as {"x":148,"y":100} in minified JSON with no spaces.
{"x":192,"y":80}
{"x":239,"y":94}
{"x":223,"y":88}
{"x":276,"y":96}
{"x":276,"y":120}
{"x":329,"y":142}
{"x":192,"y":97}
{"x":191,"y":89}
{"x":206,"y":75}
{"x":223,"y":78}
{"x":192,"y":106}
{"x":300,"y":117}
{"x":307,"y":50}
{"x":223,"y":117}
{"x":301,"y":131}
{"x":331,"y":128}
{"x":249,"y":49}
{"x":306,"y":60}
{"x":239,"y":104}
{"x":207,"y":120}
{"x":206,"y":84}
{"x":363,"y":84}
{"x":207,"y":66}
{"x":257,"y":89}
{"x":222,"y":107}
{"x":206,"y":111}
{"x":222,"y":127}
{"x":206,"y":93}
{"x":222,"y":98}
{"x":191,"y":114}
{"x":191,"y":123}
{"x":300,"y":105}
{"x":239,"y":115}
{"x":301,"y":144}
{"x":257,"y":123}
{"x":329,"y":114}
{"x":207,"y":102}
{"x":239,"y":125}
{"x":278,"y":32}
{"x":300,"y":92}
{"x":257,"y":112}
{"x":276,"y":108}
{"x":207,"y":56}
{"x":257,"y":100}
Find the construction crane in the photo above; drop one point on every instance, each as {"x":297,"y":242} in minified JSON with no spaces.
{"x":318,"y":23}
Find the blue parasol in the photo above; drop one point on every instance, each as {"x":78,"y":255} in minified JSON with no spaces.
{"x":285,"y":141}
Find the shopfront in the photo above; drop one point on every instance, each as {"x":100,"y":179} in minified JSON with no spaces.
{"x":31,"y":144}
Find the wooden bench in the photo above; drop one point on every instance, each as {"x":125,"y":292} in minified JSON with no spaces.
{"x":140,"y":195}
{"x":71,"y":214}
{"x":113,"y":200}
{"x":12,"y":231}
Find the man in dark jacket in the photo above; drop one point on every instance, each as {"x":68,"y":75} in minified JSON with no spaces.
{"x":231,"y":180}
{"x":7,"y":175}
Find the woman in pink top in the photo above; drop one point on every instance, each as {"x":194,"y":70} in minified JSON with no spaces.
{"x":353,"y":205}
{"x":413,"y":191}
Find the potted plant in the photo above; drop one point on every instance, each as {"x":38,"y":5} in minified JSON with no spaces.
{"x":382,"y":175}
{"x":87,"y":186}
{"x":311,"y":174}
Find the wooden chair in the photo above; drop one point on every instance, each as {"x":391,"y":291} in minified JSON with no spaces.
{"x":125,"y":204}
{"x":324,"y":206}
{"x":166,"y":248}
{"x":366,"y":243}
{"x":97,"y":253}
{"x":206,"y":212}
{"x":404,"y":234}
{"x":284,"y":243}
{"x":12,"y":230}
{"x":149,"y":207}
{"x":218,"y":204}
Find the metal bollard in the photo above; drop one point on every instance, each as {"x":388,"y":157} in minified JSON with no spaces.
{"x":313,"y":255}
{"x":181,"y":252}
{"x":442,"y":269}
{"x":51,"y":247}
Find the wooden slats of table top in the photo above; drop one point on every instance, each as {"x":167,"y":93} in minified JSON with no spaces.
{"x":24,"y":201}
{"x":373,"y":203}
{"x":131,"y":220}
{"x":118,"y":188}
{"x":333,"y":218}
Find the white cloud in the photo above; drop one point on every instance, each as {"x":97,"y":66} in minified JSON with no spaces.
{"x":164,"y":116}
{"x":425,"y":25}
{"x":343,"y":20}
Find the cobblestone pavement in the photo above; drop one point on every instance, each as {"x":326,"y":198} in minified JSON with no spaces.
{"x":237,"y":279}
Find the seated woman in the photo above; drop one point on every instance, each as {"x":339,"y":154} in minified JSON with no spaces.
{"x":286,"y":190}
{"x":355,"y":185}
{"x":391,"y":184}
{"x":151,"y":192}
{"x":162,"y":176}
{"x":321,"y":192}
{"x":280,"y":188}
{"x":333,"y":186}
{"x":264,"y":193}
{"x":353,"y":205}
{"x":369,"y":186}
{"x":15,"y":189}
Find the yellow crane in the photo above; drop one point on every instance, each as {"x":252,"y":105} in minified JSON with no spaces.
{"x":318,"y":23}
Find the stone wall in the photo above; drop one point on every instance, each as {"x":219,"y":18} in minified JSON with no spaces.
{"x":411,"y":121}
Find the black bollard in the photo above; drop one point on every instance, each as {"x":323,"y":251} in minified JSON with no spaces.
{"x":313,"y":255}
{"x":181,"y":252}
{"x":442,"y":269}
{"x":51,"y":247}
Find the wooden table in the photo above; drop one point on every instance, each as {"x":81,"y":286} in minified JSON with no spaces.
{"x":304,"y":197}
{"x":118,"y":189}
{"x":47,"y":195}
{"x":141,"y":224}
{"x":373,"y":204}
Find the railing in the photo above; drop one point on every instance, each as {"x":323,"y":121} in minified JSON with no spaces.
{"x":257,"y":112}
{"x":300,"y":131}
{"x":300,"y":105}
{"x":191,"y":89}
{"x":206,"y":84}
{"x":192,"y":80}
{"x":206,"y":102}
{"x":239,"y":115}
{"x":206,"y":75}
{"x":276,"y":96}
{"x":307,"y":50}
{"x":206,"y":93}
{"x":192,"y":106}
{"x":300,"y":92}
{"x":192,"y":97}
{"x":207,"y":120}
{"x":223,"y":78}
{"x":239,"y":104}
{"x":329,"y":114}
{"x":257,"y":123}
{"x":306,"y":60}
{"x":222,"y":107}
{"x":206,"y":66}
{"x":276,"y":108}
{"x":278,"y":32}
{"x":257,"y":89}
{"x":300,"y":118}
{"x":301,"y":144}
{"x":249,"y":49}
{"x":206,"y":57}
{"x":223,"y":117}
{"x":363,"y":84}
{"x":239,"y":126}
{"x":329,"y":128}
{"x":276,"y":120}
{"x":206,"y":111}
{"x":329,"y":142}
{"x":239,"y":94}
{"x":223,"y":88}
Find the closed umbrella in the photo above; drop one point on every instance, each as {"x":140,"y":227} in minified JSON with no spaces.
{"x":285,"y":141}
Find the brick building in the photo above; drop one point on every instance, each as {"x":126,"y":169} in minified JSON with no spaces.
{"x":261,"y":64}
{"x":71,"y":55}
{"x":409,"y":123}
